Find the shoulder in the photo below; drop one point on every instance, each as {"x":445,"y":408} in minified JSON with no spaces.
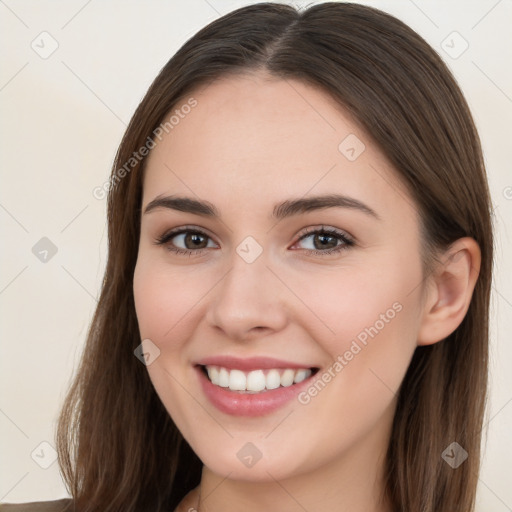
{"x":188,"y":503}
{"x":64,"y":505}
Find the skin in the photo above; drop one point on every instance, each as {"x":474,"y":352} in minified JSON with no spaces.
{"x":253,"y":141}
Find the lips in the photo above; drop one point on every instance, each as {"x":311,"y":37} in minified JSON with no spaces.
{"x":254,"y":386}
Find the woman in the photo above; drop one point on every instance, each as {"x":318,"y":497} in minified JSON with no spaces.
{"x":294,"y":314}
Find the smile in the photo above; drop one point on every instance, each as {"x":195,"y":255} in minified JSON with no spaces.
{"x":251,"y":387}
{"x":255,"y":381}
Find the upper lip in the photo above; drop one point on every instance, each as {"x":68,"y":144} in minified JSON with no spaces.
{"x":249,"y":363}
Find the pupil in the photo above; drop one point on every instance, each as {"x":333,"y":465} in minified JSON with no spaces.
{"x":196,"y":238}
{"x":323,"y":237}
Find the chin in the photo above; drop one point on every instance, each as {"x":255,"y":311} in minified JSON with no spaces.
{"x":254,"y":460}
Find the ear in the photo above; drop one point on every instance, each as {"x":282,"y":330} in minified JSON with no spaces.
{"x":450,"y":288}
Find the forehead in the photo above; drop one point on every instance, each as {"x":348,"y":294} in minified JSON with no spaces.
{"x":252,"y":140}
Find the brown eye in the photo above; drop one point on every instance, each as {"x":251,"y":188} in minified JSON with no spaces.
{"x":192,"y":240}
{"x":327,"y":241}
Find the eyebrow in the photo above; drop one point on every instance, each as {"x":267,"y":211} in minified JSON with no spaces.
{"x":282,"y":210}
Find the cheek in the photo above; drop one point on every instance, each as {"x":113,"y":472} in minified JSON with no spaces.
{"x":164,"y":300}
{"x":361,"y":303}
{"x":370,"y":322}
{"x":356,"y":392}
{"x":158,"y":308}
{"x":375,"y":318}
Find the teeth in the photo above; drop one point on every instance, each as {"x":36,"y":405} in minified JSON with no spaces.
{"x":300,"y":376}
{"x":223,"y":378}
{"x":213,"y":374}
{"x":273,"y":379}
{"x":256,"y":380}
{"x":287,"y":378}
{"x":237,"y":380}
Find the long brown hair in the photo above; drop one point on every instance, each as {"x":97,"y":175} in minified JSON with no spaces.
{"x":118,"y":448}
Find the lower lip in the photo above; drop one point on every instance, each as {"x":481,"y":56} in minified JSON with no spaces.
{"x":249,"y":404}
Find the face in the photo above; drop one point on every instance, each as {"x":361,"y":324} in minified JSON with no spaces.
{"x":305,"y":318}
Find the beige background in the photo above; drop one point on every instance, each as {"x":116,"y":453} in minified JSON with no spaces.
{"x":62,"y":119}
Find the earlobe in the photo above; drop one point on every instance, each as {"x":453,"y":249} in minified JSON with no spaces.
{"x":451,"y":289}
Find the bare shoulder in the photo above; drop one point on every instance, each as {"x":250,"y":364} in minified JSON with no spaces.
{"x":188,"y":503}
{"x":64,"y":505}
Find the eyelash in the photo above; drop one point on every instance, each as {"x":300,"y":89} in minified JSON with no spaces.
{"x":347,"y":241}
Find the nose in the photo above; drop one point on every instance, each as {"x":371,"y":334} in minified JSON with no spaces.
{"x":249,"y":302}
